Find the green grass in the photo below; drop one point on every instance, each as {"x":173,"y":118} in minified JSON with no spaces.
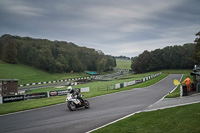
{"x":186,"y":73}
{"x":183,"y":119}
{"x":27,"y":74}
{"x":110,"y":84}
{"x":23,"y":105}
{"x":179,"y":119}
{"x":30,"y":104}
{"x":37,"y":103}
{"x":123,"y":64}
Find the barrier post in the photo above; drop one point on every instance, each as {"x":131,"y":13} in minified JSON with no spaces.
{"x":1,"y":100}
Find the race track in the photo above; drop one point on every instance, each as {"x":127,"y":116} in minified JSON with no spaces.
{"x":104,"y":109}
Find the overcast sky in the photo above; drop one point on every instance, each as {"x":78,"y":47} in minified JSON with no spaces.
{"x":117,"y":27}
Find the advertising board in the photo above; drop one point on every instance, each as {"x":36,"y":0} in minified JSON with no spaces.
{"x":8,"y":99}
{"x":35,"y":95}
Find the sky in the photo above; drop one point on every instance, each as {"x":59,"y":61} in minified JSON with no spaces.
{"x":116,"y":27}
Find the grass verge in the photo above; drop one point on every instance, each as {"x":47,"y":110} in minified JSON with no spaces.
{"x":183,"y":119}
{"x":123,"y":64}
{"x":27,"y":74}
{"x":176,"y":93}
{"x":37,"y":103}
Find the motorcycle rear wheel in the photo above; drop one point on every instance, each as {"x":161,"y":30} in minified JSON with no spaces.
{"x":71,"y":106}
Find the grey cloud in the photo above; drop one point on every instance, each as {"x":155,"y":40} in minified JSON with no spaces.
{"x":114,"y":26}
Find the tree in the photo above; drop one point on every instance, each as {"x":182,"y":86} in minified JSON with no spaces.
{"x":9,"y":54}
{"x":110,"y":62}
{"x":101,"y":65}
{"x":156,"y":60}
{"x":45,"y":60}
{"x":54,"y":56}
{"x":61,"y":64}
{"x":187,"y":60}
{"x":197,"y":48}
{"x":170,"y":57}
{"x":141,"y":64}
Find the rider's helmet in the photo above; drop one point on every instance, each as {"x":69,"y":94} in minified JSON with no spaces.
{"x":69,"y":89}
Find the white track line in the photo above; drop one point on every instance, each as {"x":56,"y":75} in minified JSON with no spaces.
{"x":143,"y":110}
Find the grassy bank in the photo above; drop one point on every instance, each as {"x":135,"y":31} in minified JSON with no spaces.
{"x":123,"y":64}
{"x":27,"y":74}
{"x":37,"y":103}
{"x":182,"y":119}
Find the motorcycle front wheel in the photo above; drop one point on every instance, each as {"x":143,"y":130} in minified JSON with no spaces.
{"x":87,"y":104}
{"x":71,"y":106}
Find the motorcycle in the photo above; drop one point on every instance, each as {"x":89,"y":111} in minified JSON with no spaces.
{"x":73,"y":103}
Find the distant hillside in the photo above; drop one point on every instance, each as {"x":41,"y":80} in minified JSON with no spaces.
{"x":27,"y":74}
{"x":123,"y":64}
{"x":53,"y":56}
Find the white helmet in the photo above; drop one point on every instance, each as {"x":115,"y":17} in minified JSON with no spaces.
{"x":69,"y":89}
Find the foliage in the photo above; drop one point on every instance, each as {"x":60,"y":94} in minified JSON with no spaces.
{"x":9,"y":54}
{"x":170,"y":57}
{"x":122,"y":57}
{"x":197,"y":48}
{"x":55,"y":56}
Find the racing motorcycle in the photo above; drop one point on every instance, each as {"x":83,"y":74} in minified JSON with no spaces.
{"x":73,"y":103}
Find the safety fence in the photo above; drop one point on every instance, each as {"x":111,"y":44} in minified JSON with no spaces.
{"x":7,"y":99}
{"x":97,"y":77}
{"x":56,"y":81}
{"x":106,"y":87}
{"x":126,"y":84}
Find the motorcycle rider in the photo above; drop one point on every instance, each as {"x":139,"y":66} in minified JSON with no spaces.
{"x":76,"y":94}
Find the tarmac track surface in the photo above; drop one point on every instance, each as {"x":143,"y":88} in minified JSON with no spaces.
{"x":104,"y":109}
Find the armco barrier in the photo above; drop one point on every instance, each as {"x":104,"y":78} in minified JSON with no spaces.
{"x":139,"y":81}
{"x":35,"y":95}
{"x":131,"y":83}
{"x":117,"y":86}
{"x":121,"y":85}
{"x":58,"y":93}
{"x":86,"y":89}
{"x":53,"y":93}
{"x":125,"y":84}
{"x":7,"y":99}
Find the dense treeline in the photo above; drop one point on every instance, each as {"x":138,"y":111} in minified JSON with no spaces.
{"x":122,"y":57}
{"x":170,"y":57}
{"x":53,"y":56}
{"x":197,"y":48}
